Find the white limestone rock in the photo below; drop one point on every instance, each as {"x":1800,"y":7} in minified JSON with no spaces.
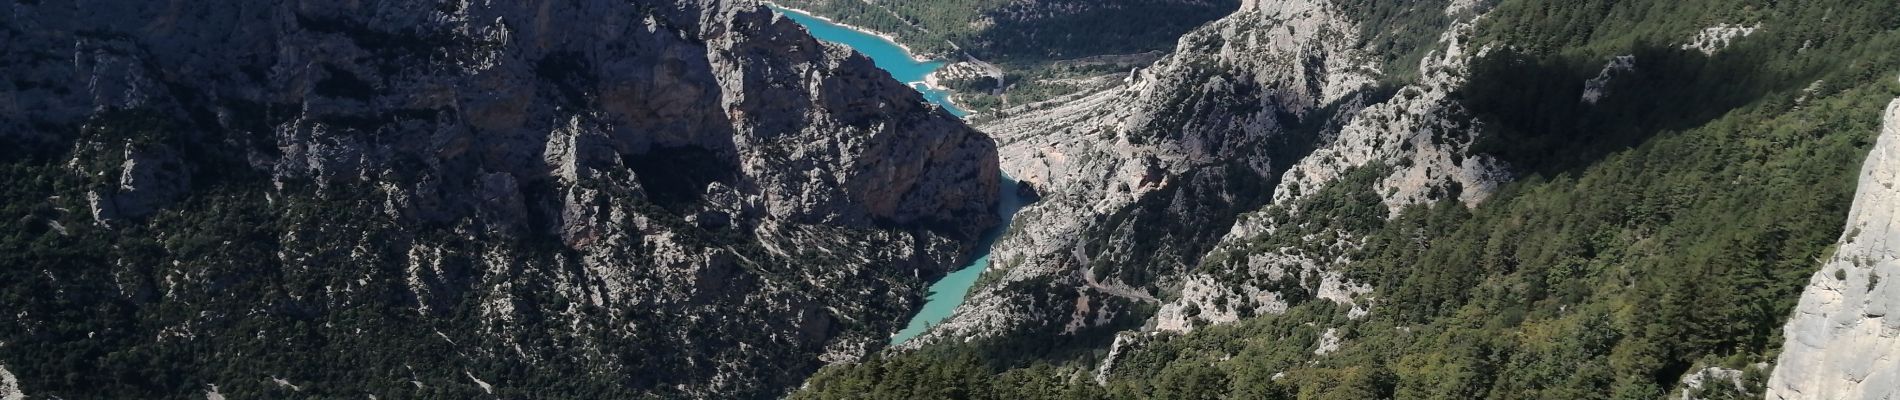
{"x":1843,"y":341}
{"x":10,"y":385}
{"x":1716,"y":38}
{"x":1328,"y":342}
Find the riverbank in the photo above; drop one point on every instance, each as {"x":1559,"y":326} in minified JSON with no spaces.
{"x":933,"y":82}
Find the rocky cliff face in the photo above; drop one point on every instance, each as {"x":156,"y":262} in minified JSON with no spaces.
{"x":10,"y":386}
{"x":1182,"y":163}
{"x":1841,"y":342}
{"x":673,"y":198}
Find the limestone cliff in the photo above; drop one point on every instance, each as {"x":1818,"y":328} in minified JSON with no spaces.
{"x":10,"y":386}
{"x":1841,"y":342}
{"x":684,"y":198}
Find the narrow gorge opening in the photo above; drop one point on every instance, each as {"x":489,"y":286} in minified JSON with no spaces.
{"x":948,"y":292}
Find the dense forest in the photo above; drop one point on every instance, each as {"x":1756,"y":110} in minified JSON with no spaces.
{"x":1666,"y":228}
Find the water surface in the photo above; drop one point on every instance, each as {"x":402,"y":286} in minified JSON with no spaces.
{"x":949,"y":292}
{"x":887,"y":55}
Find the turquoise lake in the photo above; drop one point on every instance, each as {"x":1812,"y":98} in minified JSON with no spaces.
{"x":947,"y":293}
{"x":887,"y":55}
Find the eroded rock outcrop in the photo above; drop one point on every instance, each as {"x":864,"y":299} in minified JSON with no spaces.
{"x":1716,"y":38}
{"x":1842,"y":342}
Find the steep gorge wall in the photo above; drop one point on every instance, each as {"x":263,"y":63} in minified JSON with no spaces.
{"x":597,"y":198}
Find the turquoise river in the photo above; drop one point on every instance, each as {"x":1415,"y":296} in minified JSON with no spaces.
{"x":887,"y":55}
{"x":947,"y":293}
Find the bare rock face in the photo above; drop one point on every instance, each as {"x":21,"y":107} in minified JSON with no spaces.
{"x":10,"y":386}
{"x":1842,"y":342}
{"x":686,"y":198}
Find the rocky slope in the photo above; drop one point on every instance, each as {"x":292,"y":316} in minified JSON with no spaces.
{"x":10,"y":386}
{"x":1841,"y":343}
{"x":1407,"y":150}
{"x":1181,"y":164}
{"x":525,"y":199}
